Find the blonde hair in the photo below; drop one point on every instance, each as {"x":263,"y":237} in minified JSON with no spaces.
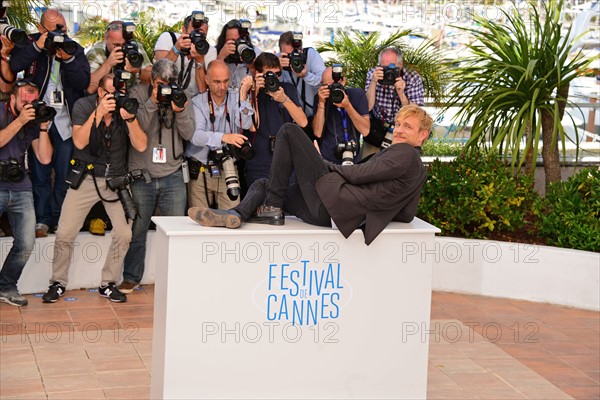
{"x":413,"y":110}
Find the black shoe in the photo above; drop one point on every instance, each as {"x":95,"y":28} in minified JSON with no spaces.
{"x":268,"y":215}
{"x":211,"y":217}
{"x":54,"y":292}
{"x":112,"y":293}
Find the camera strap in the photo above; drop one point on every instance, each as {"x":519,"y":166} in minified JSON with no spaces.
{"x":98,"y":190}
{"x":211,"y":111}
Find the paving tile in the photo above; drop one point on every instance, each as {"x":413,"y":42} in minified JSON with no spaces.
{"x":124,"y":379}
{"x":583,"y":393}
{"x":71,"y":383}
{"x":457,"y":365}
{"x":91,"y":394}
{"x":111,"y":350}
{"x":449,"y":394}
{"x":19,"y":371}
{"x":22,"y":387}
{"x":17,"y":355}
{"x":544,"y":394}
{"x":120,"y":363}
{"x":91,"y":313}
{"x":582,"y":363}
{"x":124,"y":311}
{"x":52,"y":368}
{"x":140,"y":392}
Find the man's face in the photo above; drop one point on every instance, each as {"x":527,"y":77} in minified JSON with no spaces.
{"x":51,"y":21}
{"x":389,"y":57}
{"x":408,"y":130}
{"x":24,"y":95}
{"x":218,"y":81}
{"x":232,"y":34}
{"x":106,"y":88}
{"x":114,"y":39}
{"x":327,"y":77}
{"x":286,"y":48}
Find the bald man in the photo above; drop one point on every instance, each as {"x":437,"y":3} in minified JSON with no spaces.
{"x":104,"y":56}
{"x":221,"y":116}
{"x":62,"y":79}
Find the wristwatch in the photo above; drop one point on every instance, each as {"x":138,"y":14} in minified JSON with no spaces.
{"x":198,"y":65}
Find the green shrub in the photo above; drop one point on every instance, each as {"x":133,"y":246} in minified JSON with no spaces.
{"x":439,"y":148}
{"x":475,"y":195}
{"x":570,"y":212}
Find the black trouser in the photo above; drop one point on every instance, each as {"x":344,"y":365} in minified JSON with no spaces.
{"x":293,"y":152}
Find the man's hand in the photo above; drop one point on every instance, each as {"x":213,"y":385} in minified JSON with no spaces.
{"x":245,"y":86}
{"x":41,"y":40}
{"x":62,"y":55}
{"x":377,"y":75}
{"x":178,"y":109}
{"x":125,"y":114}
{"x":284,"y":60}
{"x":345,"y":102}
{"x":279,"y":96}
{"x":130,"y":68}
{"x":302,"y":73}
{"x":27,"y":114}
{"x":228,"y":49}
{"x":7,"y":46}
{"x":106,"y":105}
{"x":115,"y":57}
{"x":316,"y":144}
{"x":195,"y":55}
{"x":260,"y":81}
{"x":323,"y":94}
{"x":235,"y":139}
{"x":400,"y":85}
{"x":183,"y":42}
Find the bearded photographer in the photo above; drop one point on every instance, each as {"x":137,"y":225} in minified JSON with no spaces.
{"x":222,"y":115}
{"x":302,"y":67}
{"x":57,"y":65}
{"x":19,"y":128}
{"x":342,"y":117}
{"x":179,"y":48}
{"x":275,"y":104}
{"x":167,"y":118}
{"x":106,"y":56}
{"x":389,"y":87}
{"x":101,"y":134}
{"x":235,"y":48}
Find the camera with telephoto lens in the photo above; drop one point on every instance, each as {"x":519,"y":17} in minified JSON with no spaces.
{"x":198,"y":37}
{"x":11,"y":171}
{"x":120,"y":185}
{"x":223,"y":158}
{"x":271,"y":82}
{"x":336,"y":89}
{"x":58,"y":39}
{"x":346,"y":151}
{"x":43,"y":113}
{"x":15,"y":35}
{"x":296,"y":57}
{"x":130,"y":48}
{"x":170,"y":92}
{"x":121,"y":94}
{"x":390,"y":74}
{"x":243,"y":47}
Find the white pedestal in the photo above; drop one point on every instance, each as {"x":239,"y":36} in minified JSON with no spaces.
{"x":295,"y":311}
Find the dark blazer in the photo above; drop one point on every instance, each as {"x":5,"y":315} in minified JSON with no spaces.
{"x":385,"y":188}
{"x":74,"y":73}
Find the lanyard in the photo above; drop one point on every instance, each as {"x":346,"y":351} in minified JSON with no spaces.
{"x":211,"y":110}
{"x":344,"y":114}
{"x":55,"y":73}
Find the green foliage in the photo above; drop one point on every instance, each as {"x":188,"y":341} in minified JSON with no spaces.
{"x":516,"y":71}
{"x":475,"y":195}
{"x":91,"y":31}
{"x":359,"y":53}
{"x":570,"y":212}
{"x":442,"y":147}
{"x":20,"y":15}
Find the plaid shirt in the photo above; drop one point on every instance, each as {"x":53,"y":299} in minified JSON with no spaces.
{"x":387,"y":102}
{"x":96,"y":56}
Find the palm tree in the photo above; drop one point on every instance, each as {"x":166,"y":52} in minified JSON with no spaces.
{"x":515,"y":85}
{"x":20,"y":15}
{"x":358,"y":53}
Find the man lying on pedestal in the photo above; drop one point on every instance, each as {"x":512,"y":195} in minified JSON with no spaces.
{"x":385,"y":187}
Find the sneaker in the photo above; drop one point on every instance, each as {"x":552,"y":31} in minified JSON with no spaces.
{"x":54,"y":292}
{"x":128,"y":287}
{"x":268,"y":215}
{"x":97,"y":227}
{"x":13,"y":298}
{"x":41,"y":230}
{"x":211,"y":217}
{"x":112,"y":293}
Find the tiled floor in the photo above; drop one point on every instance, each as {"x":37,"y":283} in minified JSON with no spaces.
{"x":84,"y":347}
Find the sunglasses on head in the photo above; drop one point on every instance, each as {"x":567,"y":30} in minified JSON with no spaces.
{"x":25,"y":82}
{"x":114,"y":27}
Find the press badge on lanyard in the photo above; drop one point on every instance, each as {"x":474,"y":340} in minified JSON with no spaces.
{"x":57,"y":98}
{"x":159,"y":155}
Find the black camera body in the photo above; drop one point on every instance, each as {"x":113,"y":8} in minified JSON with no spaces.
{"x":244,"y":51}
{"x":223,"y":158}
{"x":58,"y":39}
{"x":346,"y":151}
{"x":120,"y":185}
{"x":170,"y":92}
{"x":11,"y":171}
{"x":43,"y":113}
{"x":271,"y":82}
{"x":336,"y":89}
{"x":297,"y":62}
{"x":198,"y":37}
{"x":390,"y":74}
{"x":121,"y":94}
{"x":130,"y":48}
{"x":15,"y":35}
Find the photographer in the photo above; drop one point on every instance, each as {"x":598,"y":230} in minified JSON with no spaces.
{"x":222,"y":114}
{"x":7,"y":77}
{"x":305,"y":73}
{"x":106,"y":56}
{"x":19,"y":129}
{"x":57,"y":65}
{"x":178,"y":47}
{"x":339,"y":125}
{"x":389,"y":87}
{"x":101,"y":134}
{"x":233,"y":38}
{"x":167,"y":118}
{"x":274,"y":104}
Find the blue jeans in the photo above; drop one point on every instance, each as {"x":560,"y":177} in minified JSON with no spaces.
{"x":170,"y":195}
{"x":48,"y":200}
{"x":19,"y":208}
